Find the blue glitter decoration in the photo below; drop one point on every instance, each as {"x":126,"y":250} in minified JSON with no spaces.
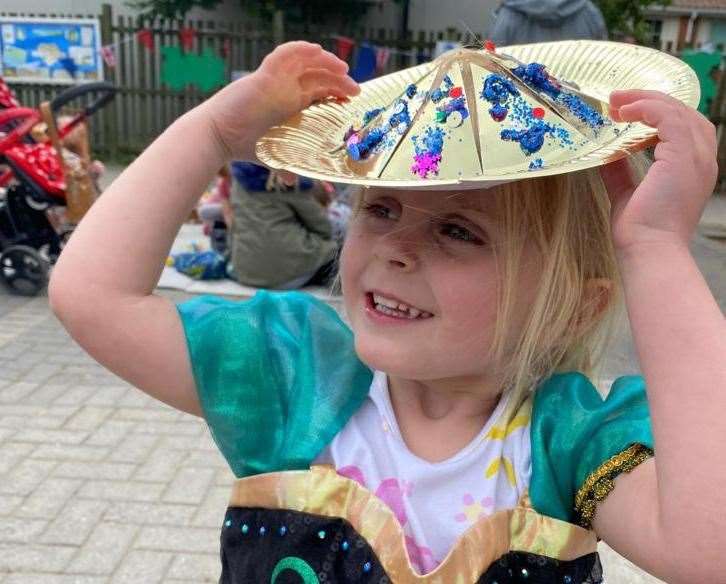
{"x":535,"y":75}
{"x":262,"y":530}
{"x":531,"y":139}
{"x":536,"y":164}
{"x":283,"y":530}
{"x":432,"y":142}
{"x":367,"y":567}
{"x":228,"y":523}
{"x":321,"y":534}
{"x":345,"y":545}
{"x":369,"y":115}
{"x":411,"y":90}
{"x":497,"y":89}
{"x":401,"y":116}
{"x":498,"y":112}
{"x":245,"y":528}
{"x":582,"y":110}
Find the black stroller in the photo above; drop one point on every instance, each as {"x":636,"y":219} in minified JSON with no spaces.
{"x":36,"y":178}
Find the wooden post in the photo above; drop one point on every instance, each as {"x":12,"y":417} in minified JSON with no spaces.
{"x":278,"y":27}
{"x":110,"y":120}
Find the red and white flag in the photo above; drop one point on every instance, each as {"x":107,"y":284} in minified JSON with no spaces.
{"x":383,"y":54}
{"x":109,"y":55}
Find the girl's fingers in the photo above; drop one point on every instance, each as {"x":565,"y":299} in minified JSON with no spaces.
{"x":618,"y":180}
{"x":301,"y":54}
{"x":341,"y":85}
{"x":620,"y":98}
{"x":669,"y":120}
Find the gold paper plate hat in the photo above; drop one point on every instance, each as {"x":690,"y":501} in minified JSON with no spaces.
{"x":475,"y":118}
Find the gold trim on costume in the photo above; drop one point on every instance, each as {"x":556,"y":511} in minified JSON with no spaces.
{"x":601,"y":481}
{"x":322,"y":491}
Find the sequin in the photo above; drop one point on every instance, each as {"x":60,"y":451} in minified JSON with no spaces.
{"x":283,"y":530}
{"x":321,"y":534}
{"x":345,"y":545}
{"x":524,"y":572}
{"x":262,"y":530}
{"x":228,"y":523}
{"x":367,"y":567}
{"x":245,"y":528}
{"x":455,"y":119}
{"x":567,"y":579}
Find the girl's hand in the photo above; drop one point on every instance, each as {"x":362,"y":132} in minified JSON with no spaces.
{"x":667,"y":204}
{"x":289,"y":79}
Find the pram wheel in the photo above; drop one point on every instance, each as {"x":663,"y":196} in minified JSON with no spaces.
{"x":36,"y":205}
{"x":23,"y":270}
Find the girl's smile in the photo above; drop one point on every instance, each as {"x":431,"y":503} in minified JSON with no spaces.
{"x":386,"y":309}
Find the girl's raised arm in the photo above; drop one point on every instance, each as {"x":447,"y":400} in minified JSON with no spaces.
{"x":102,"y":286}
{"x":667,"y":514}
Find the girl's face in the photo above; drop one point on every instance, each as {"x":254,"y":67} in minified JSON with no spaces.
{"x":420,"y":282}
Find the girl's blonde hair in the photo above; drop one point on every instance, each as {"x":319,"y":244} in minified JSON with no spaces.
{"x":572,"y":318}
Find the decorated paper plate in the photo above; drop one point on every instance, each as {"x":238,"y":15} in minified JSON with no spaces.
{"x":479,"y":117}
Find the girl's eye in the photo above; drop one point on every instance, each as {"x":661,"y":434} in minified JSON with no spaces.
{"x":378,"y":211}
{"x":458,"y":233}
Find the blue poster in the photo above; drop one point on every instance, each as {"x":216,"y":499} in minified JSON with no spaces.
{"x":46,"y":50}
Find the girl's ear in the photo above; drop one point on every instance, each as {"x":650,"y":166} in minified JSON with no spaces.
{"x":598,"y":293}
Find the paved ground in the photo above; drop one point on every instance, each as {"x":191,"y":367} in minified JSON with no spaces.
{"x":101,"y":484}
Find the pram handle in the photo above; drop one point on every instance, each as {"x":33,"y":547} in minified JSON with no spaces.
{"x":29,"y":116}
{"x":106,"y":91}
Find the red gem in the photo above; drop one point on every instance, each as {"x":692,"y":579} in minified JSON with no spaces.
{"x":455,"y":92}
{"x":538,"y":112}
{"x":490,"y":46}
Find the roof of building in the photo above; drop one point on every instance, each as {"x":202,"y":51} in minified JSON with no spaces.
{"x":699,"y":4}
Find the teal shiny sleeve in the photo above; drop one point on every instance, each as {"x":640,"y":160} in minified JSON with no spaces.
{"x":581,"y":442}
{"x":277,"y":377}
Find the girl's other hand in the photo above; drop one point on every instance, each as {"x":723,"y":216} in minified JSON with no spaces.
{"x":289,"y":79}
{"x":667,"y":204}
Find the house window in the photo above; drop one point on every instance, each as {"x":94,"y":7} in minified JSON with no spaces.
{"x":654,"y":29}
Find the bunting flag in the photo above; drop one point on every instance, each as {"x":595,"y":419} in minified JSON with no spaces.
{"x":365,"y":64}
{"x":146,"y":38}
{"x":186,"y":38}
{"x":109,"y":55}
{"x":344,"y":47}
{"x":383,"y":54}
{"x":226,"y":48}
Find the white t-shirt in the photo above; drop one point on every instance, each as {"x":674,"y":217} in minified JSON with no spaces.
{"x":434,"y":502}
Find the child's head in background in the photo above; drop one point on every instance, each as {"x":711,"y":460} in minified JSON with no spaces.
{"x":507,"y":285}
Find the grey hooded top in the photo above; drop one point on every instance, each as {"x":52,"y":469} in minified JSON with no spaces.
{"x":533,"y":21}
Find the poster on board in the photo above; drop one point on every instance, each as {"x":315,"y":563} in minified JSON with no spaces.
{"x":50,"y":50}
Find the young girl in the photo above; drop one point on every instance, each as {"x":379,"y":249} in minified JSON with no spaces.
{"x":453,"y":434}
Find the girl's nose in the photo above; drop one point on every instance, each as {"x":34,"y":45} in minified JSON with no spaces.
{"x":398,"y":251}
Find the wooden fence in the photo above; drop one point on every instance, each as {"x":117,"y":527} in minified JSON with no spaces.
{"x":144,"y":107}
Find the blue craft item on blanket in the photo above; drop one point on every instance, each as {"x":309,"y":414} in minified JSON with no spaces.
{"x":204,"y":265}
{"x":365,"y":64}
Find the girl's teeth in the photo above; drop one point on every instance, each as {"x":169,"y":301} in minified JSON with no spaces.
{"x":411,"y":313}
